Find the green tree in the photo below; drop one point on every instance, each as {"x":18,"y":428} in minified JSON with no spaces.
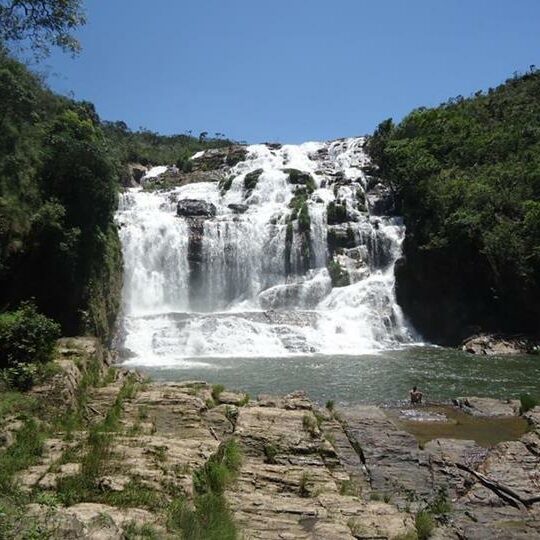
{"x":41,"y":23}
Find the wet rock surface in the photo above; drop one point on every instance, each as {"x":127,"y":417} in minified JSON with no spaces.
{"x":195,"y":208}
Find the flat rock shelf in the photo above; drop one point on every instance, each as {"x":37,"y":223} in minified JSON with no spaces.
{"x":306,"y":473}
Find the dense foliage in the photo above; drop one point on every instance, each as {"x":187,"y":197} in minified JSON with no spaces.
{"x":41,"y":24}
{"x":58,"y":194}
{"x":60,"y":172}
{"x":26,"y":336}
{"x":466,"y":178}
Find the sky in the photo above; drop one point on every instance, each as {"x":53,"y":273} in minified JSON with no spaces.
{"x":290,"y":70}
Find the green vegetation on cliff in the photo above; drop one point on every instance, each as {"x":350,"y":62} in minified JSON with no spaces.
{"x":466,"y":178}
{"x":60,"y":172}
{"x":149,"y":148}
{"x":58,"y":194}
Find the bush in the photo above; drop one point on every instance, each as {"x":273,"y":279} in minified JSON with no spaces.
{"x":20,"y":376}
{"x":424,"y":524}
{"x":26,"y":337}
{"x":527,"y":403}
{"x":220,"y":469}
{"x":216,"y":391}
{"x":309,"y":423}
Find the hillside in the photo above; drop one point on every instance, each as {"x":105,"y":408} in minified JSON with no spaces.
{"x":466,"y":178}
{"x":60,"y":172}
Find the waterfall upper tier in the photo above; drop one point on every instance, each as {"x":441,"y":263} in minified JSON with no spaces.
{"x":289,"y":230}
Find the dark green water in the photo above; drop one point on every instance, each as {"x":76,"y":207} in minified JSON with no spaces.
{"x":383,"y":378}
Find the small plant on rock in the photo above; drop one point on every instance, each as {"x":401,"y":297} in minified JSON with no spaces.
{"x":527,"y":403}
{"x":217,"y":389}
{"x":270,"y":453}
{"x":303,"y":485}
{"x":425,"y":524}
{"x":309,"y":422}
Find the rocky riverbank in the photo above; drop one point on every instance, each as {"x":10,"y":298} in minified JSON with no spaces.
{"x":128,"y":458}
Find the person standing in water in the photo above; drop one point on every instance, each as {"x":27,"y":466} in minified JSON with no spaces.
{"x":416,"y":396}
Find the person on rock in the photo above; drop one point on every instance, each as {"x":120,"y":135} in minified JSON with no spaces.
{"x":416,"y":396}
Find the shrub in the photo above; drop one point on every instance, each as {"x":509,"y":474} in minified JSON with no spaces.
{"x":20,"y":376}
{"x":309,"y":423}
{"x":527,"y":403}
{"x":211,"y":518}
{"x":338,"y":275}
{"x":425,"y":524}
{"x":330,"y":405}
{"x":440,"y":505}
{"x":26,"y":336}
{"x":220,"y":469}
{"x":270,"y":453}
{"x":303,"y":489}
{"x":216,"y":391}
{"x":336,"y":213}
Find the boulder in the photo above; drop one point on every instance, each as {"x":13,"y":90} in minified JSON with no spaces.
{"x":195,"y":208}
{"x":238,"y":208}
{"x":493,"y":344}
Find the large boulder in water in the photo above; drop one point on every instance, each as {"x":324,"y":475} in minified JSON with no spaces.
{"x":195,"y":208}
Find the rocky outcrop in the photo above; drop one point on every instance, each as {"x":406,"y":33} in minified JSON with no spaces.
{"x":493,"y":344}
{"x":195,"y":208}
{"x":218,"y":158}
{"x":490,"y":492}
{"x":306,"y":473}
{"x":133,"y":174}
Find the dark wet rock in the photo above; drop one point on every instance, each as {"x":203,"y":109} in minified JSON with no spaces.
{"x":132,"y":175}
{"x":238,"y":208}
{"x":297,"y":177}
{"x":219,"y":158}
{"x":494,"y":344}
{"x":336,"y":213}
{"x":340,"y":236}
{"x":274,"y":146}
{"x":380,"y":200}
{"x":195,"y":208}
{"x":250,"y":180}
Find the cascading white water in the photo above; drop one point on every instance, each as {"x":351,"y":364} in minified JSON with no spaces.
{"x":259,"y":285}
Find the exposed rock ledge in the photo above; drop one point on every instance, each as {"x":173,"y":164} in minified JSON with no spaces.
{"x":495,"y":344}
{"x":307,"y":473}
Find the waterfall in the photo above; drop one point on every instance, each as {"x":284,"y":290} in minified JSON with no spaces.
{"x":257,"y":275}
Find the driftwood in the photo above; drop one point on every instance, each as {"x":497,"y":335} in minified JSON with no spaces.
{"x":502,"y":491}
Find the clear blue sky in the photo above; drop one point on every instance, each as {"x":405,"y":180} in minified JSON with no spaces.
{"x":290,"y":70}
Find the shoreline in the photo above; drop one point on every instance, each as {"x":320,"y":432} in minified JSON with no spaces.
{"x":302,"y":471}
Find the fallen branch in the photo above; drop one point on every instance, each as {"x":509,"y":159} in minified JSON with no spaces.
{"x":502,"y":491}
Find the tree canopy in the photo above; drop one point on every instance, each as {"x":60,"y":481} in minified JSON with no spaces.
{"x":466,"y":176}
{"x":41,"y":24}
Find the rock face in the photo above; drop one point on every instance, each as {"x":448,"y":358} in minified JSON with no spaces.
{"x":195,"y":208}
{"x":218,"y":158}
{"x":489,"y":489}
{"x":492,"y":344}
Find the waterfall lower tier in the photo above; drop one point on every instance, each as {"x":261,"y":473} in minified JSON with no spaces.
{"x":275,"y":256}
